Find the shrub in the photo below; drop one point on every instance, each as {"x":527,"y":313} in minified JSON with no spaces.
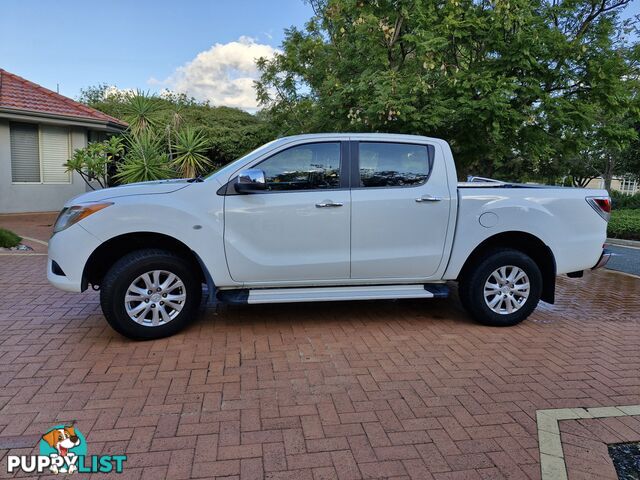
{"x":625,"y":224}
{"x":230,"y":132}
{"x":622,"y":202}
{"x":190,"y":146}
{"x":94,"y":162}
{"x":8,"y":239}
{"x":146,"y":159}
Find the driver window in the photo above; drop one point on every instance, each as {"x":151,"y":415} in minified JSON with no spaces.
{"x":304,"y":167}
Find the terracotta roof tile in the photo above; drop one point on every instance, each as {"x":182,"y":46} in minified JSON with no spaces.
{"x":20,"y":94}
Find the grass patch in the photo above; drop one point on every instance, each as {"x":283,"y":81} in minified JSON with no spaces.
{"x":8,"y":239}
{"x":625,"y":224}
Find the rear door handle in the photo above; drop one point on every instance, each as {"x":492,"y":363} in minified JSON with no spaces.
{"x":328,"y":204}
{"x":428,"y":198}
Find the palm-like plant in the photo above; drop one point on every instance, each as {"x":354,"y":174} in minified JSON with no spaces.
{"x":190,"y":146}
{"x":146,"y":160}
{"x":143,"y":112}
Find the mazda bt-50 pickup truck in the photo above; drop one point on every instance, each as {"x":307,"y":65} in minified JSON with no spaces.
{"x":325,"y":217}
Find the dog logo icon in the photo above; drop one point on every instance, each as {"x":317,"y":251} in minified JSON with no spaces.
{"x":63,"y":449}
{"x":65,"y":442}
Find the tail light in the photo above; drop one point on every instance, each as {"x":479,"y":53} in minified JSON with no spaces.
{"x":602,"y":205}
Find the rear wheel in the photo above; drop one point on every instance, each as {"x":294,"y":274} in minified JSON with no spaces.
{"x":502,"y":289}
{"x":150,"y":294}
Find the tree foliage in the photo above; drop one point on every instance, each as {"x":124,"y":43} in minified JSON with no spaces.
{"x":92,"y":162}
{"x":521,"y":89}
{"x":230,"y":132}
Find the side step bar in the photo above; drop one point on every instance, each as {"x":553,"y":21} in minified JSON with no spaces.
{"x":332,"y":294}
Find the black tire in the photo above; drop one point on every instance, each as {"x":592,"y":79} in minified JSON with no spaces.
{"x":472,"y":283}
{"x":117,"y":280}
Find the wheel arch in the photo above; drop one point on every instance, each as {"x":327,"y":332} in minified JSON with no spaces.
{"x":528,"y":244}
{"x":116,"y":247}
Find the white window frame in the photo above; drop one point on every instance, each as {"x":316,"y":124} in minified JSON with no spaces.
{"x":42,"y":182}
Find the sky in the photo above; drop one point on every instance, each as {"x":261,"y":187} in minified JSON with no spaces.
{"x":205,"y":48}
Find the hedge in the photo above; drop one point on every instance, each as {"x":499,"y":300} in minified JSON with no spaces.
{"x":621,"y":201}
{"x":625,"y":224}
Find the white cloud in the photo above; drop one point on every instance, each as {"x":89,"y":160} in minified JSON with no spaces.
{"x":224,"y":74}
{"x":113,"y":91}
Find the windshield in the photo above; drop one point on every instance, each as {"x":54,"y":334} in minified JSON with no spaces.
{"x":231,"y":165}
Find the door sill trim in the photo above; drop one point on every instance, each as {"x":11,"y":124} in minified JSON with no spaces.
{"x":332,"y":294}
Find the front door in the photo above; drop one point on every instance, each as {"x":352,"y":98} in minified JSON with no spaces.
{"x":399,"y":211}
{"x":299,"y":228}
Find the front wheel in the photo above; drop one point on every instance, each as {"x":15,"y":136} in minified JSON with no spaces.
{"x":503,"y":289}
{"x":150,"y":294}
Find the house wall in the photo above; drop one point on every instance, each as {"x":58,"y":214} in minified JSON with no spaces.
{"x":599,"y":183}
{"x":37,"y":197}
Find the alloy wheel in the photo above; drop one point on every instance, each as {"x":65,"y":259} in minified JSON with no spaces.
{"x":155,"y":298}
{"x":507,"y":289}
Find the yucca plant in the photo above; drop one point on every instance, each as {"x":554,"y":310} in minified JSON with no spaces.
{"x":143,"y":112}
{"x":190,"y":146}
{"x":145,"y":160}
{"x":173,"y":125}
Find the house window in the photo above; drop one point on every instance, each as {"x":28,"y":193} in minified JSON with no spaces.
{"x":25,"y":153}
{"x":95,"y":136}
{"x":38,"y":153}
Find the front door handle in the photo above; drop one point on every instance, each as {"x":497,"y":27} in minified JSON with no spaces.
{"x":328,"y":204}
{"x":428,"y":198}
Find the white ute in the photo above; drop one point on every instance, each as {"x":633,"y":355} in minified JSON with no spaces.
{"x":325,"y":217}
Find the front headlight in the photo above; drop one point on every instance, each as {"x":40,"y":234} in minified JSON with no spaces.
{"x":71,"y":215}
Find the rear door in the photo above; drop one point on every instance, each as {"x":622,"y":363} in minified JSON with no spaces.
{"x":400,"y":205}
{"x":298,"y":230}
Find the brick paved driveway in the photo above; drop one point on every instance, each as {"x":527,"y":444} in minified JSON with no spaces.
{"x":333,"y":390}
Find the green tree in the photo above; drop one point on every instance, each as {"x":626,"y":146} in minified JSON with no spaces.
{"x":518,"y":87}
{"x":610,"y":150}
{"x":629,"y":165}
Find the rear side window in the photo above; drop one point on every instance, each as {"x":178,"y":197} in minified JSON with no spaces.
{"x":393,"y":164}
{"x":305,"y":167}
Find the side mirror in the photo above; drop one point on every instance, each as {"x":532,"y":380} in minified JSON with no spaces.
{"x":250,"y":181}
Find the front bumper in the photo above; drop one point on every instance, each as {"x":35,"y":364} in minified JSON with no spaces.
{"x":70,"y":249}
{"x":604,"y":258}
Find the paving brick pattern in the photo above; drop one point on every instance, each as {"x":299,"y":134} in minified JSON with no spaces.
{"x":407,"y":389}
{"x":584,"y":443}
